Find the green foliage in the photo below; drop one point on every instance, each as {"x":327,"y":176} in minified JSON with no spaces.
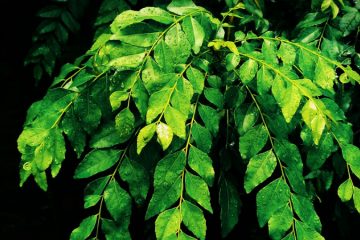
{"x":204,"y":110}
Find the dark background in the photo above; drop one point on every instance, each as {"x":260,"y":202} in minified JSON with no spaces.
{"x":30,"y":213}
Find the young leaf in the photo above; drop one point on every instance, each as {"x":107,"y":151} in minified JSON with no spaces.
{"x":117,"y":97}
{"x":201,"y":163}
{"x":315,"y":121}
{"x":145,"y":135}
{"x":194,"y":33}
{"x":259,"y":169}
{"x":97,"y":161}
{"x":287,"y":96}
{"x":176,"y":120}
{"x":164,"y":135}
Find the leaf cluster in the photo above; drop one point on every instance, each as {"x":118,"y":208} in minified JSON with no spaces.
{"x":172,"y":106}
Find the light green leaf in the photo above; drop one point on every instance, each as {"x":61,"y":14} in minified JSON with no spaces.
{"x":324,"y":75}
{"x":356,"y":197}
{"x":231,"y":61}
{"x":96,"y":161}
{"x":138,"y":34}
{"x":85,"y":229}
{"x":280,"y":222}
{"x":196,"y":79}
{"x":137,"y":178}
{"x":287,"y":96}
{"x":210,"y":117}
{"x":351,"y":154}
{"x":128,"y":62}
{"x":74,"y":132}
{"x":253,"y":141}
{"x":125,"y":123}
{"x":287,"y":53}
{"x":176,"y":39}
{"x":157,"y":103}
{"x":198,"y":190}
{"x":167,"y":224}
{"x":201,"y":163}
{"x":308,"y":87}
{"x":202,"y":137}
{"x":164,"y":135}
{"x":118,"y":202}
{"x":194,"y":33}
{"x":248,"y":71}
{"x":193,"y":219}
{"x":144,"y":137}
{"x":305,"y":210}
{"x":184,"y":236}
{"x":305,"y":232}
{"x":346,"y":190}
{"x":270,"y":199}
{"x":269,"y":49}
{"x":265,"y":79}
{"x":259,"y":169}
{"x":315,"y":121}
{"x":153,"y":78}
{"x":230,"y":206}
{"x":176,"y":120}
{"x":129,"y":17}
{"x":182,"y":7}
{"x":167,"y":183}
{"x":117,"y":97}
{"x":164,"y":56}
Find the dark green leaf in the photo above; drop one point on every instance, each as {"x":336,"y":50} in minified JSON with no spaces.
{"x":230,"y":204}
{"x":97,"y":161}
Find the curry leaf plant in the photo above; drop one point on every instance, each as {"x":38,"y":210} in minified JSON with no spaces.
{"x":182,"y":111}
